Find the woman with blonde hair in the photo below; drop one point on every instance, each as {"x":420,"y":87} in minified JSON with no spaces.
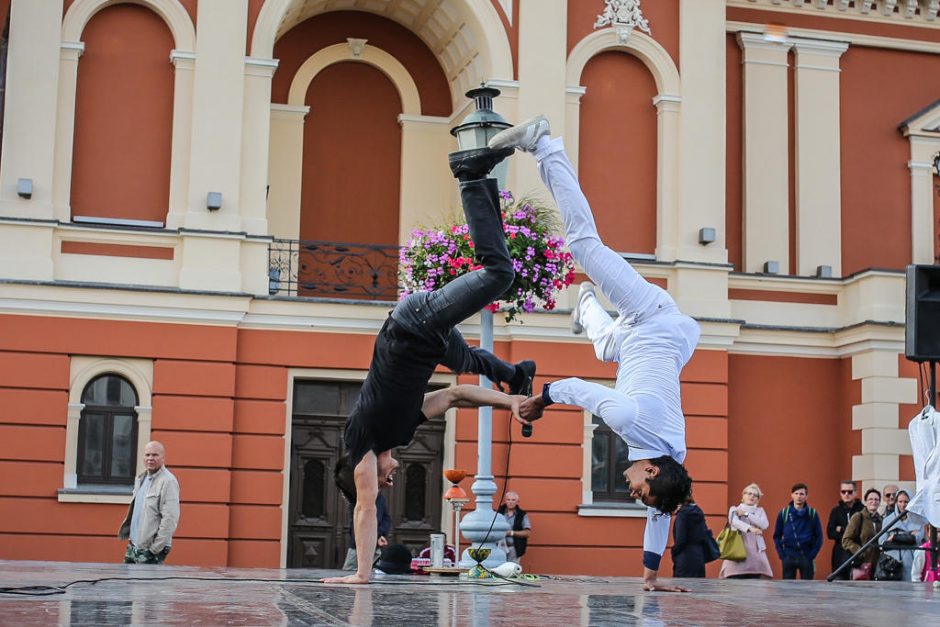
{"x":751,"y":520}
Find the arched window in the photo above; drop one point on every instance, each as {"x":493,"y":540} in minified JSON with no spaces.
{"x":107,"y":432}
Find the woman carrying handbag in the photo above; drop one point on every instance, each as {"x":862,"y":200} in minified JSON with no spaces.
{"x":862,"y":527}
{"x":749,"y":520}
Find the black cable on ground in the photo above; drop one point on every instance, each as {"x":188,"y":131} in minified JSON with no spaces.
{"x":38,"y":591}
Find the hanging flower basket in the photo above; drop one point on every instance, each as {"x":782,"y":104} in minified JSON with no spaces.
{"x":435,"y":257}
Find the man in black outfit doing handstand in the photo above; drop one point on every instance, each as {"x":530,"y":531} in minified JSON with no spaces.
{"x":419,"y":335}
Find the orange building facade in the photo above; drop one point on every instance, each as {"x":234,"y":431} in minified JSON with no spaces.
{"x":323,"y":126}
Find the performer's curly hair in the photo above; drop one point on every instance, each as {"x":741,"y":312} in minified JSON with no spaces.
{"x":672,"y":486}
{"x":343,"y":475}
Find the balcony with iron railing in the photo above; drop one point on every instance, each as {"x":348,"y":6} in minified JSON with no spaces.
{"x":322,"y":269}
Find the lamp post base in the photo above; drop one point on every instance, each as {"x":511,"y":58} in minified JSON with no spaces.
{"x":475,"y":526}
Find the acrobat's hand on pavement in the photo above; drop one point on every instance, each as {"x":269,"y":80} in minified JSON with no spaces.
{"x":650,"y":584}
{"x":532,"y":408}
{"x":661,"y":587}
{"x":354,"y":578}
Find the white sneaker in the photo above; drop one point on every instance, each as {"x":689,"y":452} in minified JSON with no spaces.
{"x":586,"y":288}
{"x":523,"y":136}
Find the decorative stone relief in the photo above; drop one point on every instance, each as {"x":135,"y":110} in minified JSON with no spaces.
{"x":623,"y":16}
{"x":356,"y":45}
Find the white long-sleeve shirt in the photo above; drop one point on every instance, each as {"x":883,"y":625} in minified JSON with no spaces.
{"x":643,"y":407}
{"x":644,"y":422}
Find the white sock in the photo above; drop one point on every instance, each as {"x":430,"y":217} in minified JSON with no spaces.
{"x":541,"y":143}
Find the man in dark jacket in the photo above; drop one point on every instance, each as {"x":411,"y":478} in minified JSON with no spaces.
{"x":798,"y":535}
{"x":521,"y":528}
{"x":689,"y":538}
{"x":838,"y":521}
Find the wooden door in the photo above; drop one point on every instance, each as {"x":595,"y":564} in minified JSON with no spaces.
{"x":319,"y":519}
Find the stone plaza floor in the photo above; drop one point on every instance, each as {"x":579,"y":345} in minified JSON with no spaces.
{"x":168,"y":595}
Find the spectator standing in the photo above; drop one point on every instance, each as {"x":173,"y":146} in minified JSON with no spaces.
{"x":154,"y":511}
{"x":798,"y":535}
{"x":838,"y":520}
{"x":384,"y":522}
{"x":889,"y":500}
{"x":517,"y":538}
{"x":751,"y":520}
{"x":905,"y":556}
{"x":689,"y":537}
{"x":862,"y":527}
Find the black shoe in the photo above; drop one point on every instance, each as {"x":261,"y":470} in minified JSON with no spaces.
{"x":475,"y":164}
{"x":521,"y":382}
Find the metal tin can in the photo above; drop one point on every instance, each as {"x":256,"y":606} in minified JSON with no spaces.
{"x":437,"y":550}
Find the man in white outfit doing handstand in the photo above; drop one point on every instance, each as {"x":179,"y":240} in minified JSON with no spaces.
{"x":651,"y":340}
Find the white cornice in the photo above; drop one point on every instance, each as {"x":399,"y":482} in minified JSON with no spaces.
{"x":819,"y":46}
{"x":840,"y":10}
{"x":749,"y":39}
{"x":855,"y":39}
{"x":261,"y":62}
{"x":71,"y":309}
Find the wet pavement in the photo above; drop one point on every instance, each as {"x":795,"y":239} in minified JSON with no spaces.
{"x":167,"y":595}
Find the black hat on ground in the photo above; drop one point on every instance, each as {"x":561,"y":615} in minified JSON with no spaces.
{"x":395,"y":560}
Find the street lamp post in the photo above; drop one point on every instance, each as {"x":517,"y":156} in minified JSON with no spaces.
{"x":483,"y":527}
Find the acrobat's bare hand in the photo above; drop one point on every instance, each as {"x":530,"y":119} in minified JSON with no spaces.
{"x":348,"y":579}
{"x":532,"y":408}
{"x":654,"y":586}
{"x":650,"y":584}
{"x":515,"y":408}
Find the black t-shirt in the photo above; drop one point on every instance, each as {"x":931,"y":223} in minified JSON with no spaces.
{"x":388,"y":410}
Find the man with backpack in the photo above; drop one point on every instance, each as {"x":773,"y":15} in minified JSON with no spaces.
{"x":798,"y":535}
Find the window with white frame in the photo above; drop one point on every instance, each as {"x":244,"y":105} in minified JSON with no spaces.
{"x":603,"y":488}
{"x":107,"y":432}
{"x":608,"y":461}
{"x":107,"y":428}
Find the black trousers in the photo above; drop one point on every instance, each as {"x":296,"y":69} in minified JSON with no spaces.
{"x":802,"y":564}
{"x":435,"y":314}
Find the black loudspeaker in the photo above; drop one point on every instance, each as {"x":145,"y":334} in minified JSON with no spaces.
{"x":922,"y":328}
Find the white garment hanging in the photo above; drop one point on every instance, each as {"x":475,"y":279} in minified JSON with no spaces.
{"x":924,"y":431}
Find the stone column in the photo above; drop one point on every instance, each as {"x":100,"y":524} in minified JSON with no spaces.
{"x":883,"y":442}
{"x":702,"y":42}
{"x":218,"y":97}
{"x":818,"y":156}
{"x":923,"y":150}
{"x":285,"y":170}
{"x":427,"y":186}
{"x":184,"y":62}
{"x":30,"y":107}
{"x":70,"y":52}
{"x":543,"y":37}
{"x":210,"y":253}
{"x":73,"y":417}
{"x":668,"y":107}
{"x":256,"y":129}
{"x":766,"y":153}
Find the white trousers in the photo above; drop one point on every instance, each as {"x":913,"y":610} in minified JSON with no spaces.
{"x":650,"y":340}
{"x":640,"y":304}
